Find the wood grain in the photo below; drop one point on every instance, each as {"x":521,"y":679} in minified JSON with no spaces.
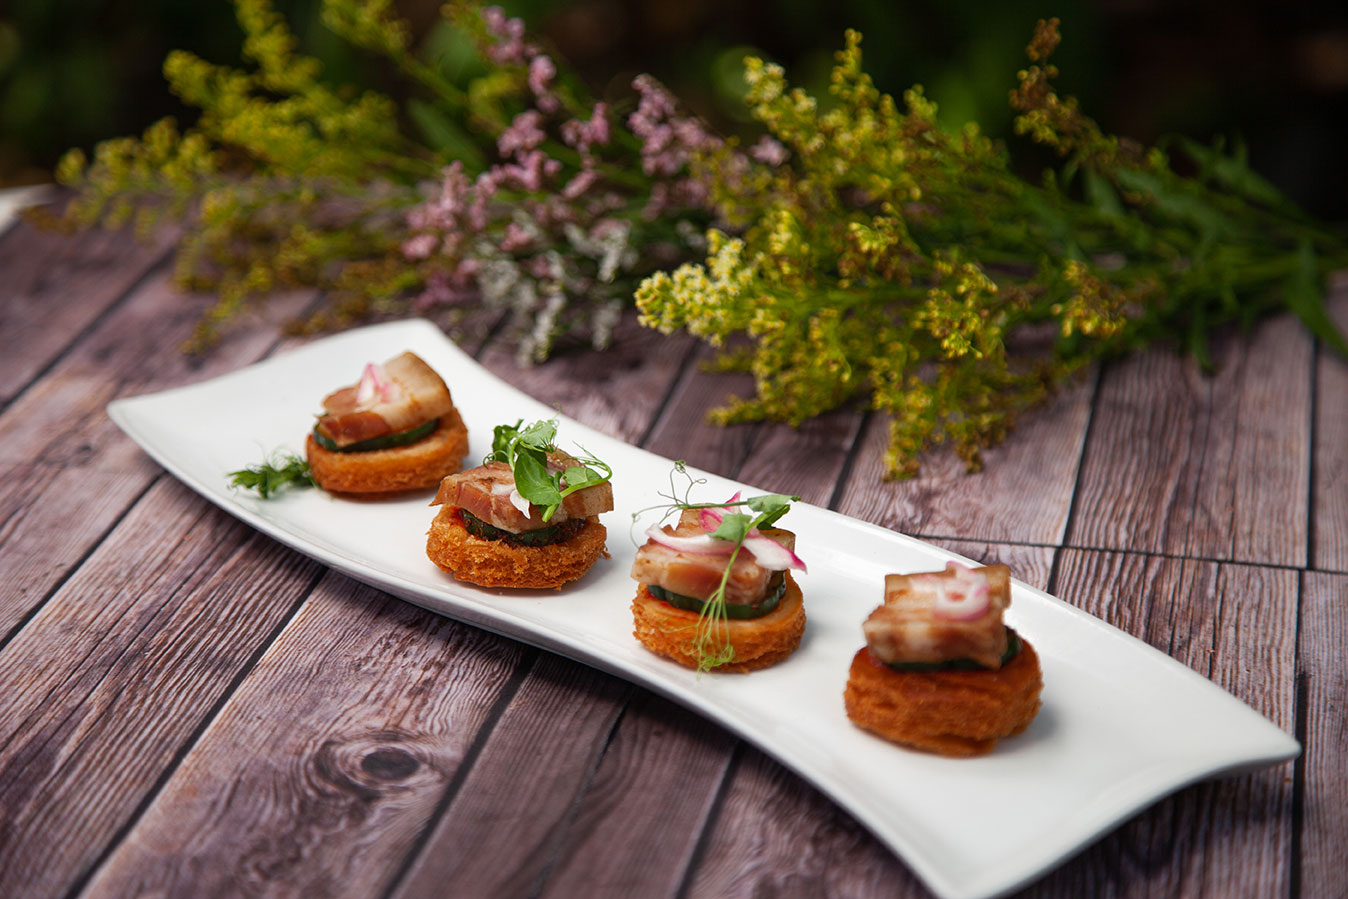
{"x":1329,"y":498}
{"x":319,"y":774}
{"x":100,"y":690}
{"x":1022,"y":495}
{"x":74,"y":473}
{"x":774,"y":835}
{"x":1225,"y":838}
{"x":135,"y":350}
{"x":1210,"y":466}
{"x":806,"y":461}
{"x":528,"y":780}
{"x":1324,"y":765}
{"x":681,"y":430}
{"x":616,"y":391}
{"x":183,"y":713}
{"x":1031,"y":564}
{"x":55,"y":287}
{"x":639,"y":820}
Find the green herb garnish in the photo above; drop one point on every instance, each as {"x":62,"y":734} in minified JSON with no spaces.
{"x":711,"y":643}
{"x":283,"y":469}
{"x":525,"y":450}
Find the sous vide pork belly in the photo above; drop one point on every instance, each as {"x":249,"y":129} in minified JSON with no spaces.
{"x":488,"y":493}
{"x":940,"y":616}
{"x":397,"y":396}
{"x":698,"y":574}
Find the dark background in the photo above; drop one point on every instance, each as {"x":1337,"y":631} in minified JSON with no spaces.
{"x":73,"y":72}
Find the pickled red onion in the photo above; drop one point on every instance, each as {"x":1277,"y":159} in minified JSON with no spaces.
{"x":963,"y":597}
{"x":766,"y":552}
{"x":373,"y":383}
{"x":704,"y":544}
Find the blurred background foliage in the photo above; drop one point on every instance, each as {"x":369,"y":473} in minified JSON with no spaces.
{"x":1275,"y":75}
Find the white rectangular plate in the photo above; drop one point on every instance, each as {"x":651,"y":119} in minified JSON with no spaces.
{"x":1122,"y":724}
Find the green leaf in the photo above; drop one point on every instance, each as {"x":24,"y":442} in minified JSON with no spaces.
{"x":502,"y":438}
{"x":733,"y":527}
{"x":1305,"y":295}
{"x":444,"y":135}
{"x":771,"y":507}
{"x":1235,"y":174}
{"x":534,"y":482}
{"x":539,"y":435}
{"x":1102,"y":195}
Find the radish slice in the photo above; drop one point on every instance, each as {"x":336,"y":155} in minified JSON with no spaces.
{"x":703,"y":544}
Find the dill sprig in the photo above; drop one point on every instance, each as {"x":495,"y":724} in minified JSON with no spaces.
{"x":283,"y":469}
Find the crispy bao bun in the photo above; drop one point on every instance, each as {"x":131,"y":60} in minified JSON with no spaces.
{"x":958,"y":713}
{"x":416,"y":466}
{"x":758,"y":642}
{"x":495,"y":563}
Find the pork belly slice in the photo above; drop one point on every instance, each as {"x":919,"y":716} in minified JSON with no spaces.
{"x":399,"y":395}
{"x":699,"y":574}
{"x":485,"y":492}
{"x":941,"y":616}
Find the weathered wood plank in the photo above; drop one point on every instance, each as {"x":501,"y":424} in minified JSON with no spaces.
{"x":1237,"y":625}
{"x":682,"y":432}
{"x":55,"y":286}
{"x":1022,"y":494}
{"x":75,"y":472}
{"x":777,"y":836}
{"x":1329,"y":502}
{"x":318,"y":775}
{"x":806,"y":461}
{"x":616,"y":391}
{"x":100,"y":690}
{"x":1208,"y":466}
{"x":1324,"y":765}
{"x":527,"y":781}
{"x":48,"y":523}
{"x":638,"y":822}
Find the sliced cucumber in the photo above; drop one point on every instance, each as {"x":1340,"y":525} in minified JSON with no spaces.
{"x":1012,"y":650}
{"x":771,"y":598}
{"x":383,"y":441}
{"x":556,"y":533}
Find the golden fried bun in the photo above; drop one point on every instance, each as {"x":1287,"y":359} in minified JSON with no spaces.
{"x":416,"y":466}
{"x":758,"y":642}
{"x":496,"y":563}
{"x":959,"y":713}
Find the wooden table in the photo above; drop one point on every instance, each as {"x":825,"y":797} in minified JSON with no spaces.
{"x":189,"y":709}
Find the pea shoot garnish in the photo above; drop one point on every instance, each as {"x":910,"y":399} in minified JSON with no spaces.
{"x":525,"y":449}
{"x":728,"y":530}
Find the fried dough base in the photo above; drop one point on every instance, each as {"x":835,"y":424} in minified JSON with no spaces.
{"x":957,"y":713}
{"x":495,"y":563}
{"x":413,"y":467}
{"x":758,"y":642}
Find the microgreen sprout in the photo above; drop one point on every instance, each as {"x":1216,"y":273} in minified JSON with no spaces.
{"x":711,"y":643}
{"x":525,"y":449}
